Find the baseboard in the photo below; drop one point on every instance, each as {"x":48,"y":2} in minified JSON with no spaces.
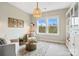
{"x":51,"y":41}
{"x":69,"y":50}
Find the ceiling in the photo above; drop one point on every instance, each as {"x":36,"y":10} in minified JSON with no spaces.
{"x":44,"y":6}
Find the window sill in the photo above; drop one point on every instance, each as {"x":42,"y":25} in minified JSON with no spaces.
{"x":47,"y":34}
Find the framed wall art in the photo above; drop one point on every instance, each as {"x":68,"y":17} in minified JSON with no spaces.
{"x":15,"y":23}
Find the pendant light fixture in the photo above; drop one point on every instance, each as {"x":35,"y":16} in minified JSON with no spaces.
{"x":37,"y":12}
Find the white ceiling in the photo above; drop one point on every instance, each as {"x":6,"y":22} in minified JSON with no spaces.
{"x":29,"y":6}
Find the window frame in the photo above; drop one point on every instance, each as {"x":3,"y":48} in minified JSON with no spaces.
{"x":47,"y":27}
{"x":38,"y":27}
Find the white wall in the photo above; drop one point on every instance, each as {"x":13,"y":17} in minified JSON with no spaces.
{"x":6,"y":10}
{"x":62,"y":26}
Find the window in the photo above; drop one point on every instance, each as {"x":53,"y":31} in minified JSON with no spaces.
{"x":41,"y":26}
{"x":48,"y":26}
{"x":52,"y":25}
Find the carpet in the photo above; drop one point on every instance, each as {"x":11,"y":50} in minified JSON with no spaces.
{"x":46,"y":49}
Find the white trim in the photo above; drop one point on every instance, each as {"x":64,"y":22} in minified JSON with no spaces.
{"x":70,"y":8}
{"x":47,"y":26}
{"x":38,"y":27}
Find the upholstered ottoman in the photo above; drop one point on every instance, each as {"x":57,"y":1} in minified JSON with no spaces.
{"x":31,"y":44}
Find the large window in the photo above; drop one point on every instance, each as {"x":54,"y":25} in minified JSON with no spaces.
{"x":41,"y":26}
{"x":52,"y":25}
{"x":48,"y":26}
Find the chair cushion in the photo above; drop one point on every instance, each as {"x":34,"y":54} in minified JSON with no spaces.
{"x":32,"y":39}
{"x":8,"y":41}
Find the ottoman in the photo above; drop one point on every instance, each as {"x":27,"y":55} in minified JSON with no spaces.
{"x":31,"y":44}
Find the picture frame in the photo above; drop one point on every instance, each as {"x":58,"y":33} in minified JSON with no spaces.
{"x":15,"y":23}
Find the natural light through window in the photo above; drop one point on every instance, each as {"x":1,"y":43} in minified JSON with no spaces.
{"x":41,"y":26}
{"x":48,"y":26}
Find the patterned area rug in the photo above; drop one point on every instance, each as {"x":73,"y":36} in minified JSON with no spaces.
{"x":40,"y":51}
{"x":46,"y":49}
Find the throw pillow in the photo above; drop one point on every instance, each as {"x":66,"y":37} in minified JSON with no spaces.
{"x":2,"y":41}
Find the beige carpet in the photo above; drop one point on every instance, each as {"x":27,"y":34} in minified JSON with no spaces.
{"x":46,"y":49}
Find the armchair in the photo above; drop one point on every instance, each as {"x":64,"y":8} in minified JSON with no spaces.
{"x":7,"y":48}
